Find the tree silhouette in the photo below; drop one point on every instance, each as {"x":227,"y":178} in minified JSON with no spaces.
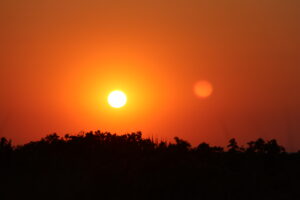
{"x":233,"y":146}
{"x":181,"y":145}
{"x":102,"y":165}
{"x":5,"y":148}
{"x":272,"y":147}
{"x":204,"y":148}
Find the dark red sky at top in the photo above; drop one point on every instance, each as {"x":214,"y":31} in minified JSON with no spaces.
{"x":59,"y":59}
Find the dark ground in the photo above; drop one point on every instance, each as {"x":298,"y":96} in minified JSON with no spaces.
{"x":106,"y":166}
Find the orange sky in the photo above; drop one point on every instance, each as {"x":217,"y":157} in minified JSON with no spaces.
{"x":59,"y":59}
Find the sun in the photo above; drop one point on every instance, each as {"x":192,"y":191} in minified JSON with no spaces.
{"x":117,"y":99}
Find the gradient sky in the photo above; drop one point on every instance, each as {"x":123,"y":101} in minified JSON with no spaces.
{"x":59,"y":59}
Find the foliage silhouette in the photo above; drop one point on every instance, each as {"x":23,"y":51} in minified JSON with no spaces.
{"x":96,"y":165}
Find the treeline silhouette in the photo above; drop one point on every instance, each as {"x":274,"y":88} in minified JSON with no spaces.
{"x":98,"y":165}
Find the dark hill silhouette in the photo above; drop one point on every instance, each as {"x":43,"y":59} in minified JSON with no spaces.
{"x":97,"y":165}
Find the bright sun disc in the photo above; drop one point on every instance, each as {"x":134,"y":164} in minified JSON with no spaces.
{"x":117,"y":99}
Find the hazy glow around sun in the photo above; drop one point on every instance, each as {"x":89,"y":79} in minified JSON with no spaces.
{"x":117,"y":99}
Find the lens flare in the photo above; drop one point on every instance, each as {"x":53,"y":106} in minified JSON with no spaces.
{"x":203,"y":89}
